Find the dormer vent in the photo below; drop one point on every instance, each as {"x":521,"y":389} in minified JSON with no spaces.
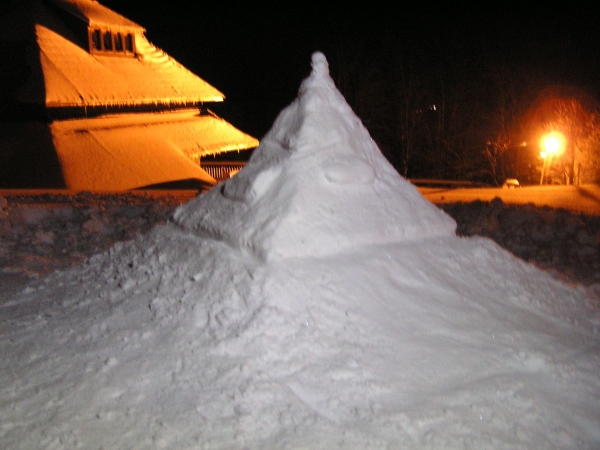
{"x":106,"y":41}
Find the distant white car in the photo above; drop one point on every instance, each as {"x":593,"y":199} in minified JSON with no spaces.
{"x":510,"y":183}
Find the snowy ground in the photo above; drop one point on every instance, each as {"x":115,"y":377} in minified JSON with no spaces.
{"x":41,"y":233}
{"x":44,"y":232}
{"x":565,"y":243}
{"x":315,"y":300}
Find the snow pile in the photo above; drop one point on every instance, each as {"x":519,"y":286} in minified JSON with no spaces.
{"x":317,"y":185}
{"x":254,"y":322}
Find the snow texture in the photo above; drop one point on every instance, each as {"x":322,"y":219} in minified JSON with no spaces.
{"x":317,"y":301}
{"x":74,"y":77}
{"x":128,"y":151}
{"x":316,"y":185}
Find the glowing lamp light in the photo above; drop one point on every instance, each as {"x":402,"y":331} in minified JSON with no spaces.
{"x":552,"y":144}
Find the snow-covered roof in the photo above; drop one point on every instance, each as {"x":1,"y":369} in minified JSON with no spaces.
{"x":74,"y":75}
{"x":129,"y":151}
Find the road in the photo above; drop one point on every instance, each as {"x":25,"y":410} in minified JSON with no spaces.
{"x":584,"y":199}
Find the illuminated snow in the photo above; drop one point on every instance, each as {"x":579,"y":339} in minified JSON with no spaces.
{"x":74,"y":77}
{"x":128,"y":151}
{"x":316,"y":300}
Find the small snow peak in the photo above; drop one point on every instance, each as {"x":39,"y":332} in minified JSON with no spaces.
{"x":320,"y":66}
{"x":319,"y":78}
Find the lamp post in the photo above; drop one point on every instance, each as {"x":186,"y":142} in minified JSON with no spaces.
{"x":552,"y":145}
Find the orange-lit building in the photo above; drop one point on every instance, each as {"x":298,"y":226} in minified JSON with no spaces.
{"x":88,"y":103}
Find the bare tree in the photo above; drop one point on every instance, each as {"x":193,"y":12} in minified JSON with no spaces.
{"x":507,"y":94}
{"x":408,"y":97}
{"x":581,"y":127}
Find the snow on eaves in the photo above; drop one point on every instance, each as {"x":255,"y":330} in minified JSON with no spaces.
{"x":128,"y":151}
{"x":74,"y":77}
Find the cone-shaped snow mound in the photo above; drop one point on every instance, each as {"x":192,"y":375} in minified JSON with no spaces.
{"x":180,"y":341}
{"x":316,"y":185}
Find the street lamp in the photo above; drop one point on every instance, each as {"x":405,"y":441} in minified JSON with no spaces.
{"x":552,"y":145}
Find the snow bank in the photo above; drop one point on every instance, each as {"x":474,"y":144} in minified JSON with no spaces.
{"x":226,"y":330}
{"x":316,"y":185}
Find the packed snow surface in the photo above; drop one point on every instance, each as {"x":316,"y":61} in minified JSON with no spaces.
{"x":316,"y":185}
{"x":315,"y":300}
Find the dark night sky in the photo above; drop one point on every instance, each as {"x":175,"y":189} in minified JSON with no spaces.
{"x":257,"y":55}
